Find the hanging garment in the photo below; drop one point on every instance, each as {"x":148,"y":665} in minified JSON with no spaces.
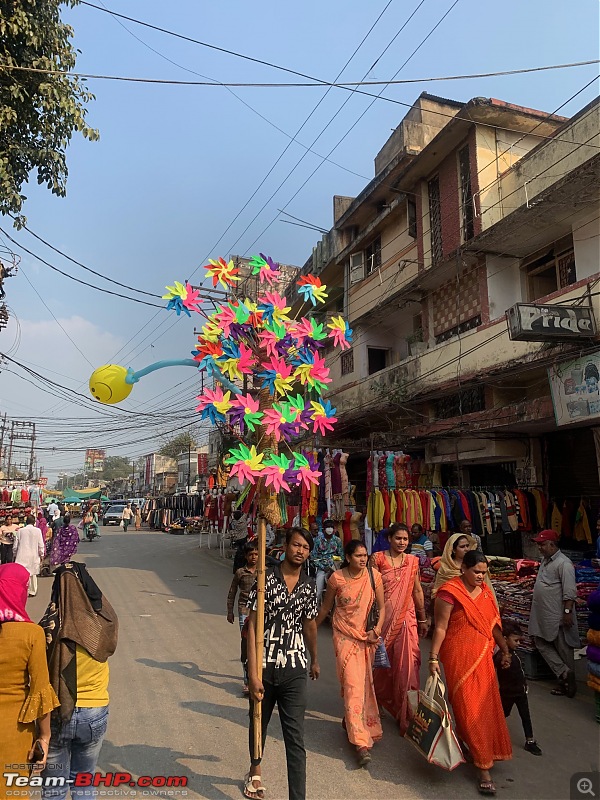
{"x":556,"y":519}
{"x":582,"y":531}
{"x":389,"y":470}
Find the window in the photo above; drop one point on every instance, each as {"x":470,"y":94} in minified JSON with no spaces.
{"x":411,"y":217}
{"x":377,"y":359}
{"x":455,"y":405}
{"x":466,"y":193}
{"x":364,"y":262}
{"x":435,"y":219}
{"x":373,"y":255}
{"x":347,"y":362}
{"x":468,"y":325}
{"x":550,"y":269}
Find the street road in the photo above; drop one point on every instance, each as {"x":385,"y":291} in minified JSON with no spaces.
{"x":176,"y":706}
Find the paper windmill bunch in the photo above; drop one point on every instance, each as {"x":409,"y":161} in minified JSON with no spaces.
{"x":258,"y":344}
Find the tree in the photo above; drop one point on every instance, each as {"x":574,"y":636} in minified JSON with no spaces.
{"x":39,"y":111}
{"x":178,"y":444}
{"x":115,"y":468}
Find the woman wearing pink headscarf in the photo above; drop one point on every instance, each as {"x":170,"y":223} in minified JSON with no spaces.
{"x":26,"y":695}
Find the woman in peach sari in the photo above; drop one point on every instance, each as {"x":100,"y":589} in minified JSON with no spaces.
{"x":351,"y":589}
{"x":467,"y":626}
{"x":403,"y":625}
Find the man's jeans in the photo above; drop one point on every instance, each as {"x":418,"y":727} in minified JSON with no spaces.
{"x":74,"y":747}
{"x":291,"y":703}
{"x":321,"y":580}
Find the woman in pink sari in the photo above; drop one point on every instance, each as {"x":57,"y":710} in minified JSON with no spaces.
{"x":351,"y":589}
{"x":405,"y":620}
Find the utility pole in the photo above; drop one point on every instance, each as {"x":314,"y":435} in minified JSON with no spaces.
{"x":21,"y":431}
{"x":188,"y":464}
{"x":2,"y":442}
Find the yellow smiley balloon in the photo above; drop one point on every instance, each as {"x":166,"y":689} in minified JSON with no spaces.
{"x":107,"y":384}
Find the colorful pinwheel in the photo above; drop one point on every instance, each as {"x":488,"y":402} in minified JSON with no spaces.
{"x":323,"y":417}
{"x":306,"y":470}
{"x":311,"y":288}
{"x":245,"y":462}
{"x":341,"y":333}
{"x":223,"y":272}
{"x":265,"y":268}
{"x":237,"y":360}
{"x":273,"y":307}
{"x":311,"y":369}
{"x":276,"y":375}
{"x":214,"y":404}
{"x":176,"y":296}
{"x":280,"y":421}
{"x":275,"y":469}
{"x":245,"y":411}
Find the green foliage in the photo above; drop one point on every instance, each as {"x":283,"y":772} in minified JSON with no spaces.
{"x":115,"y":468}
{"x":39,"y":111}
{"x":178,"y":444}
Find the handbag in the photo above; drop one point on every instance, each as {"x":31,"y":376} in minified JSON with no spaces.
{"x":121,"y":524}
{"x":373,"y":615}
{"x":381,"y":660}
{"x":430,"y":729}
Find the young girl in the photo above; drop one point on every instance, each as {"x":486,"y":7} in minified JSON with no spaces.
{"x":243,"y":580}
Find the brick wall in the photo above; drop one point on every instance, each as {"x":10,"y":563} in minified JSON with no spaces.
{"x":456,"y":302}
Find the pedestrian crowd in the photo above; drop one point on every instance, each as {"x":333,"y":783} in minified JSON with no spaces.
{"x":378,"y":615}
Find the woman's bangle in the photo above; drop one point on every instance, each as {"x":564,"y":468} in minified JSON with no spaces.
{"x":422,"y":620}
{"x":433,"y":659}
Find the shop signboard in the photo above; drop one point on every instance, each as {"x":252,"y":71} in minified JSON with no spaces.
{"x":575,"y":388}
{"x":42,"y":481}
{"x":528,"y":322}
{"x":94,"y":460}
{"x":202,"y":463}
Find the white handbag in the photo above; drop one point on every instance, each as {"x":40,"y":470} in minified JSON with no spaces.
{"x":430,"y":729}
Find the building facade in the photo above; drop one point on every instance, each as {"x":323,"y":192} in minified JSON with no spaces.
{"x":474,"y":208}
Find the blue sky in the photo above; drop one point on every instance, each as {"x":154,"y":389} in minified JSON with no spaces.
{"x":152,"y":199}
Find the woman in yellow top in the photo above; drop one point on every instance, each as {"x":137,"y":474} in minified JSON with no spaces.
{"x":26,"y":696}
{"x":450,"y":564}
{"x":78,"y":614}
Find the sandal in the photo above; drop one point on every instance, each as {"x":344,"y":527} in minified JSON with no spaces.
{"x":487,"y":788}
{"x":364,"y":756}
{"x":253,"y":787}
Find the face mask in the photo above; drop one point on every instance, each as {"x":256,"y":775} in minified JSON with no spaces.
{"x":329,"y":531}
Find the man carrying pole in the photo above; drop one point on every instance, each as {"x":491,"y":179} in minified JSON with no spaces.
{"x":290,"y":630}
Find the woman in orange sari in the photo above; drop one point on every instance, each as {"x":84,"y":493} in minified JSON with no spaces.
{"x":351,"y":589}
{"x":403,"y":594}
{"x":467,"y":625}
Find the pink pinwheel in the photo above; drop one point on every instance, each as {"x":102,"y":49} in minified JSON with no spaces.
{"x":341,"y":333}
{"x":214,"y":404}
{"x":247,"y":360}
{"x":246,"y":463}
{"x":278,"y":379}
{"x":323,"y":417}
{"x":275,"y":468}
{"x":274,"y":307}
{"x":280,"y":421}
{"x":265,"y":268}
{"x":192,"y":298}
{"x":307,"y":472}
{"x":226,"y":318}
{"x":268,"y":340}
{"x":245,"y":410}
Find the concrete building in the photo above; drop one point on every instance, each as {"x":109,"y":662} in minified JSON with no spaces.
{"x":158,"y":476}
{"x":474,"y":207}
{"x":192,"y":469}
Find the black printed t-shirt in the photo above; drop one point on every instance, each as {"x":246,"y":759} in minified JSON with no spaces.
{"x":285,"y":656}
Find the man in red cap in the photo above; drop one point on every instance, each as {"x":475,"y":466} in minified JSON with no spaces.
{"x":552,"y":623}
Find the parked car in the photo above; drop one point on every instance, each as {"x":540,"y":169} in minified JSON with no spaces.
{"x":112,"y":516}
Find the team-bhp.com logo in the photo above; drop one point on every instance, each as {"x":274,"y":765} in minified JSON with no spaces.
{"x":113,"y":780}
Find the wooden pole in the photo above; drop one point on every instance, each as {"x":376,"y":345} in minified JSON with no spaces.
{"x":260,"y":628}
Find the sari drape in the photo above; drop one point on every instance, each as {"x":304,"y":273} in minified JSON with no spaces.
{"x":466,"y":654}
{"x":354,"y":657}
{"x":401,"y":638}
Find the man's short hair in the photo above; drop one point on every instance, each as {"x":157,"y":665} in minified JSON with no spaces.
{"x":302,"y":532}
{"x":30,"y":519}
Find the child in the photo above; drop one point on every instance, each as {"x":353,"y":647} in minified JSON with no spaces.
{"x":244,"y":580}
{"x":513,"y":686}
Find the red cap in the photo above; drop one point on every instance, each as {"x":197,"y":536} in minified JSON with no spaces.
{"x":546,"y":536}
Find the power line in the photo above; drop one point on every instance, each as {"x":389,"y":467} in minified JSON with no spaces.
{"x":73,"y":278}
{"x":316,"y":83}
